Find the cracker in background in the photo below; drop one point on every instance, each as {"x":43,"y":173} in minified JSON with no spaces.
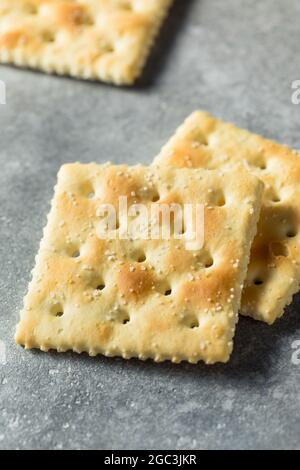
{"x":107,"y":40}
{"x":274,"y":270}
{"x":141,"y":298}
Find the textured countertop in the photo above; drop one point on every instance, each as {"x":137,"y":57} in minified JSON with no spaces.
{"x":237,"y":59}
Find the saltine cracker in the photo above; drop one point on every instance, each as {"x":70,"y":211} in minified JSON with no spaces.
{"x":141,"y":298}
{"x":106,"y":40}
{"x":274,"y":271}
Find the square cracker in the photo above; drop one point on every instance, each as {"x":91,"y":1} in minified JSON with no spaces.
{"x":107,"y":40}
{"x":274,"y":270}
{"x":141,"y":298}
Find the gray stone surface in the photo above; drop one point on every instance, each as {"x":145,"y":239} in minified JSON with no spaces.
{"x":236,"y":58}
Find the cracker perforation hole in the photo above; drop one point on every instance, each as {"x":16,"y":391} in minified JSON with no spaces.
{"x":271,"y":195}
{"x":221,"y":201}
{"x":258,"y":281}
{"x":258,"y":163}
{"x":217,"y":198}
{"x":291,"y":233}
{"x":86,"y":189}
{"x":100,"y":286}
{"x":193,"y":323}
{"x":57,"y":310}
{"x":276,"y":199}
{"x":164,"y":288}
{"x":199,"y":139}
{"x":108,"y":49}
{"x":155,"y":196}
{"x":91,"y":195}
{"x":31,"y":9}
{"x":203,"y":260}
{"x":75,"y":253}
{"x":48,"y":36}
{"x":139,"y":256}
{"x":123,"y":316}
{"x":105,"y":47}
{"x":209,"y":261}
{"x":126,"y":320}
{"x":189,"y":320}
{"x":119,"y":315}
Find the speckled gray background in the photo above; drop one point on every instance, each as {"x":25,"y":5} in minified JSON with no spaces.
{"x":236,"y":58}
